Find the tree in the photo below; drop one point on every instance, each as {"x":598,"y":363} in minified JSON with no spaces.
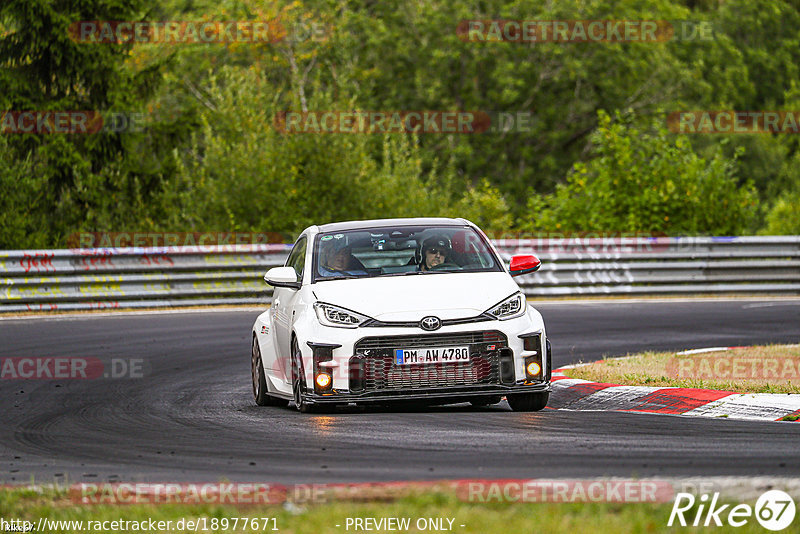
{"x":647,"y":180}
{"x":82,"y":179}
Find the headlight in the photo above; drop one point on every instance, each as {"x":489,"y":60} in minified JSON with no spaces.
{"x":513,"y":306}
{"x":331,"y":315}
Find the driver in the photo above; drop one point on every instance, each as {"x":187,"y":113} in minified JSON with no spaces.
{"x":435,"y":251}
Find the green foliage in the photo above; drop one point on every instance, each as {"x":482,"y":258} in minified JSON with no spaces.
{"x":81,"y":181}
{"x":242,"y":173}
{"x":22,"y":218}
{"x":407,"y":55}
{"x":784,"y":216}
{"x":642,"y":180}
{"x":485,"y":206}
{"x":209,"y":158}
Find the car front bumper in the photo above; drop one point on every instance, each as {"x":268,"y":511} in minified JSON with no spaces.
{"x":429,"y":395}
{"x":361,"y":364}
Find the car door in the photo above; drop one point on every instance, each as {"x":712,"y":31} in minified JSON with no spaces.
{"x":283,"y":303}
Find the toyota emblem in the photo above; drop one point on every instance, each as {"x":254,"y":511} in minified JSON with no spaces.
{"x":430,"y":323}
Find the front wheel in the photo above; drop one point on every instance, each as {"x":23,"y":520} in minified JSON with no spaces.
{"x":528,"y":402}
{"x":260,"y":394}
{"x":298,"y":379}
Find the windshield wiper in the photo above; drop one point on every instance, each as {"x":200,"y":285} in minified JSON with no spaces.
{"x":345,"y":277}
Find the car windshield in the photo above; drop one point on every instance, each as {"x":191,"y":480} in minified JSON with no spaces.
{"x":401,"y":250}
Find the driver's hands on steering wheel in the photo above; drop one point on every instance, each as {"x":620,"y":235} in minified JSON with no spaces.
{"x":445,"y":265}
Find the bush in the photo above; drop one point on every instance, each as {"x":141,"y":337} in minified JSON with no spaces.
{"x":783,"y":218}
{"x":485,"y":206}
{"x":646,"y":181}
{"x":241,"y":173}
{"x":23,"y":219}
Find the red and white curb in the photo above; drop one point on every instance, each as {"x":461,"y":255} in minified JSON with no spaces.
{"x":582,"y":395}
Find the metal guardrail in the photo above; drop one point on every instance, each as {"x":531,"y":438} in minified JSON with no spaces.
{"x":108,"y":278}
{"x":660,"y":266}
{"x":78,"y":279}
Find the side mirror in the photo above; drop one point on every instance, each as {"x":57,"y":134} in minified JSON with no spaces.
{"x":282,"y":277}
{"x":524,"y":264}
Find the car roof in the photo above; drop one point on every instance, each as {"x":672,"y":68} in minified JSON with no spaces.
{"x":373,"y":223}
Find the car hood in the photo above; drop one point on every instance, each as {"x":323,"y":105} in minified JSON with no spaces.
{"x":411,"y":297}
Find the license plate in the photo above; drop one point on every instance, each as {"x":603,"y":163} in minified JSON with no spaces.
{"x":431,"y":355}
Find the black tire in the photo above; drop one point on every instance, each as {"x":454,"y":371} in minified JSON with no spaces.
{"x":528,"y":402}
{"x":259,"y":380}
{"x":298,"y":378}
{"x":485,"y":401}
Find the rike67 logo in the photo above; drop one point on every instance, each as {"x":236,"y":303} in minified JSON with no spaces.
{"x":774,"y":510}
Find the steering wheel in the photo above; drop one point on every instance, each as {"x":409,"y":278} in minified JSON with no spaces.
{"x":446,"y":265}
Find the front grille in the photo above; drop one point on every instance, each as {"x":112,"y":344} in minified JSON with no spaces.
{"x":373,"y":367}
{"x":430,"y":340}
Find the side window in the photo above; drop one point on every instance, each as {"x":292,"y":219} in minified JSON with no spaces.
{"x":297,"y":258}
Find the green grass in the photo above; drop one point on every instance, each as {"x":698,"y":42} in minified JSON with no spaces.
{"x":761,"y":369}
{"x":482,"y":518}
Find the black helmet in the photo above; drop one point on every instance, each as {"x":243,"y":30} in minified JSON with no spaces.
{"x":439,"y":241}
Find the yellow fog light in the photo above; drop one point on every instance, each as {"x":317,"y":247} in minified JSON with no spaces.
{"x":533,"y":369}
{"x":323,"y":380}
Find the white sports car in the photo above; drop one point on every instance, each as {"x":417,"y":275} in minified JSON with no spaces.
{"x":395,"y":310}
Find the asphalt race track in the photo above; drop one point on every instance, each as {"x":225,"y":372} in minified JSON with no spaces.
{"x":192,"y":418}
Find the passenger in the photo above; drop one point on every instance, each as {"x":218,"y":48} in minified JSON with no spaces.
{"x":339,"y":260}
